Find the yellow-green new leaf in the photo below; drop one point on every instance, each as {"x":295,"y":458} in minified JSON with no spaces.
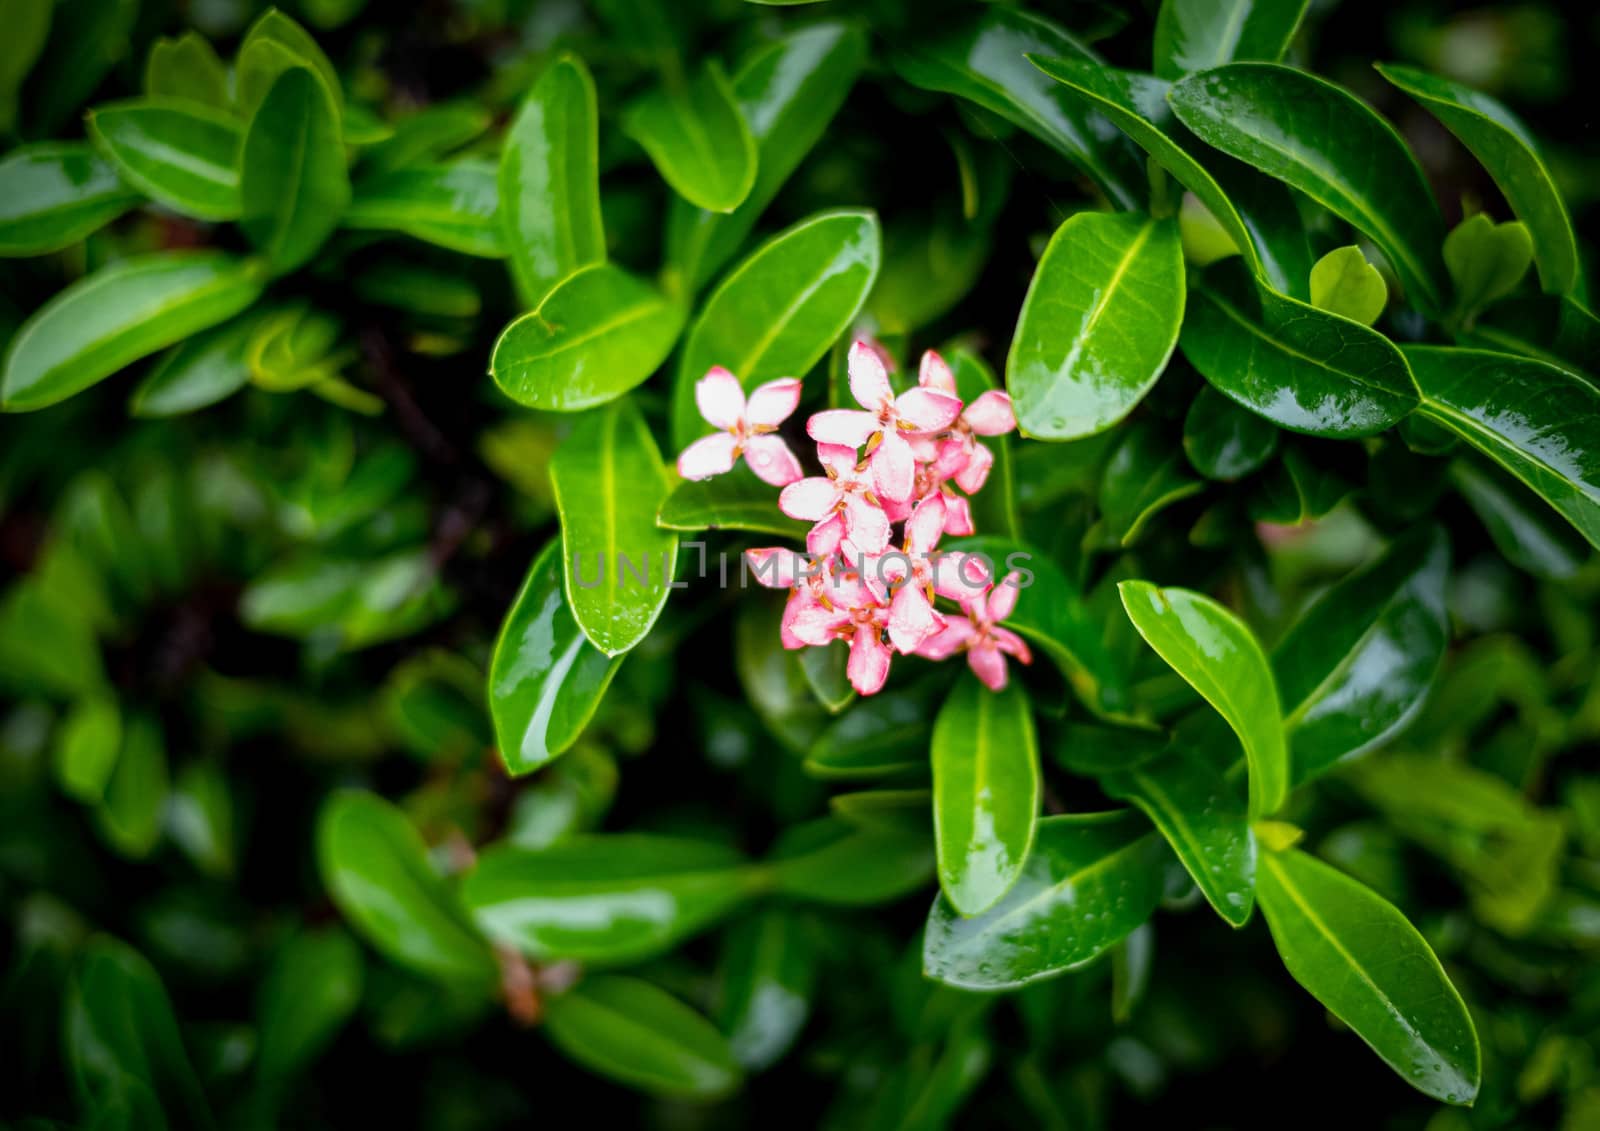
{"x":698,"y":140}
{"x":1344,"y":283}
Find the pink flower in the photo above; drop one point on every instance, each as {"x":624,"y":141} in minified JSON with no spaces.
{"x":885,"y":421}
{"x":748,"y":429}
{"x":840,"y":503}
{"x":830,"y":603}
{"x":988,"y":415}
{"x":937,"y":462}
{"x":980,"y":635}
{"x":918,"y":574}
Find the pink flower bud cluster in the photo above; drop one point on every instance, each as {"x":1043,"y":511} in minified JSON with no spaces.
{"x":895,"y":461}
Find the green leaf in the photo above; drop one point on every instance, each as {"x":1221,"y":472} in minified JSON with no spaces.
{"x":1302,"y":368}
{"x":1296,"y":489}
{"x":596,"y":335}
{"x":136,"y":794}
{"x":311,"y":990}
{"x":199,"y":818}
{"x":1357,"y":665}
{"x":549,"y":184}
{"x":1216,"y":653}
{"x":200,"y":371}
{"x":1503,"y":145}
{"x":119,"y":314}
{"x":1203,"y":818}
{"x":1538,"y":422}
{"x":983,"y":60}
{"x":54,"y":193}
{"x":766,"y":978}
{"x":79,"y":53}
{"x":930,"y":262}
{"x":1486,"y":260}
{"x":1527,"y":532}
{"x":628,"y":1030}
{"x":834,"y":862}
{"x":70,"y":667}
{"x":697,"y":139}
{"x":428,"y":135}
{"x":28,"y":28}
{"x":1359,"y":956}
{"x":187,"y":67}
{"x":985,"y":792}
{"x":376,"y":869}
{"x":1194,"y":35}
{"x":1144,"y":475}
{"x":778,"y":312}
{"x":177,"y":152}
{"x":1222,"y":440}
{"x":1088,"y":883}
{"x":880,"y":735}
{"x":787,"y":94}
{"x":609,"y":485}
{"x":1325,"y":142}
{"x":615,"y":898}
{"x":87,"y":746}
{"x":826,"y":673}
{"x":455,"y":206}
{"x":546,"y":679}
{"x":1344,"y":283}
{"x":735,"y":501}
{"x":1100,"y":321}
{"x":293,"y":181}
{"x":273,"y":45}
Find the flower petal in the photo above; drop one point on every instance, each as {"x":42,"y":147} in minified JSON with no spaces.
{"x":911,"y":619}
{"x":839,"y":459}
{"x":988,"y":665}
{"x":949,"y":640}
{"x":935,"y":374}
{"x":1003,"y":598}
{"x":975,"y":472}
{"x":823,"y":539}
{"x":809,"y":500}
{"x":960,"y":577}
{"x":868,"y":666}
{"x":707,"y":456}
{"x":1009,"y":642}
{"x":869,"y":377}
{"x":720,"y":398}
{"x":773,"y":403}
{"x":927,"y":410}
{"x":991,"y":414}
{"x":867,"y":525}
{"x":776,"y":567}
{"x":958,"y":516}
{"x":894,"y":472}
{"x":925,"y":525}
{"x":815,"y":624}
{"x":799,"y":599}
{"x":770,"y":458}
{"x":849,"y":427}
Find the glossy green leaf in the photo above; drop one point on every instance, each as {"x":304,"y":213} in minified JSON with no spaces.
{"x":1089,"y":882}
{"x":1356,"y":667}
{"x":293,"y":181}
{"x":428,"y":135}
{"x":888,"y":810}
{"x":1302,"y":368}
{"x":454,"y":205}
{"x":880,"y":735}
{"x":1203,"y":818}
{"x":136,"y":794}
{"x":1217,"y":654}
{"x":549,"y":182}
{"x":1359,"y":956}
{"x":985,"y":792}
{"x":1524,"y":529}
{"x":177,"y":152}
{"x":1296,"y":489}
{"x":1194,"y":35}
{"x":87,"y":746}
{"x":614,"y":898}
{"x":930,"y":262}
{"x":779,"y":311}
{"x":116,"y":316}
{"x":735,"y":501}
{"x":187,"y":67}
{"x":273,"y":45}
{"x":983,"y":59}
{"x":1538,"y":422}
{"x":1090,"y":749}
{"x":628,"y":1030}
{"x":1222,"y":440}
{"x":787,"y":94}
{"x":596,"y":335}
{"x":311,"y":990}
{"x":200,"y":371}
{"x":766,"y":977}
{"x":609,"y":485}
{"x":1486,"y":260}
{"x":1325,"y":142}
{"x":1344,"y":283}
{"x":1503,"y":145}
{"x":53,"y":194}
{"x":546,"y":679}
{"x":834,"y":862}
{"x":1099,"y":322}
{"x":1145,"y":474}
{"x":826,"y":671}
{"x":698,"y":140}
{"x":376,"y":869}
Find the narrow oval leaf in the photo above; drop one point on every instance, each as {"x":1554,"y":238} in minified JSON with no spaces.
{"x":985,"y":792}
{"x":615,"y":898}
{"x":1538,"y":422}
{"x":1203,"y":818}
{"x":1302,"y":368}
{"x":136,"y":793}
{"x":1089,"y":882}
{"x":883,"y":734}
{"x":376,"y":869}
{"x":778,"y":312}
{"x":53,"y":194}
{"x":1100,"y":321}
{"x":1362,"y":959}
{"x":87,"y":745}
{"x":274,"y":44}
{"x":835,"y":862}
{"x":293,"y":181}
{"x":628,"y":1030}
{"x":187,"y":67}
{"x":178,"y":152}
{"x":983,"y":60}
{"x":311,"y":990}
{"x":201,"y":371}
{"x":1325,"y":142}
{"x":546,"y":679}
{"x":1193,"y":35}
{"x":598,"y":334}
{"x":1222,"y":440}
{"x":735,"y":501}
{"x":1505,"y":148}
{"x":549,"y":181}
{"x":1145,"y":475}
{"x":1356,"y":667}
{"x":1528,"y":533}
{"x":766,"y":977}
{"x":1217,"y":654}
{"x":455,"y":206}
{"x":609,"y":484}
{"x":119,"y":314}
{"x":698,"y":140}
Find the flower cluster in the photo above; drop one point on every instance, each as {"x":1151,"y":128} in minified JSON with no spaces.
{"x":895,"y":461}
